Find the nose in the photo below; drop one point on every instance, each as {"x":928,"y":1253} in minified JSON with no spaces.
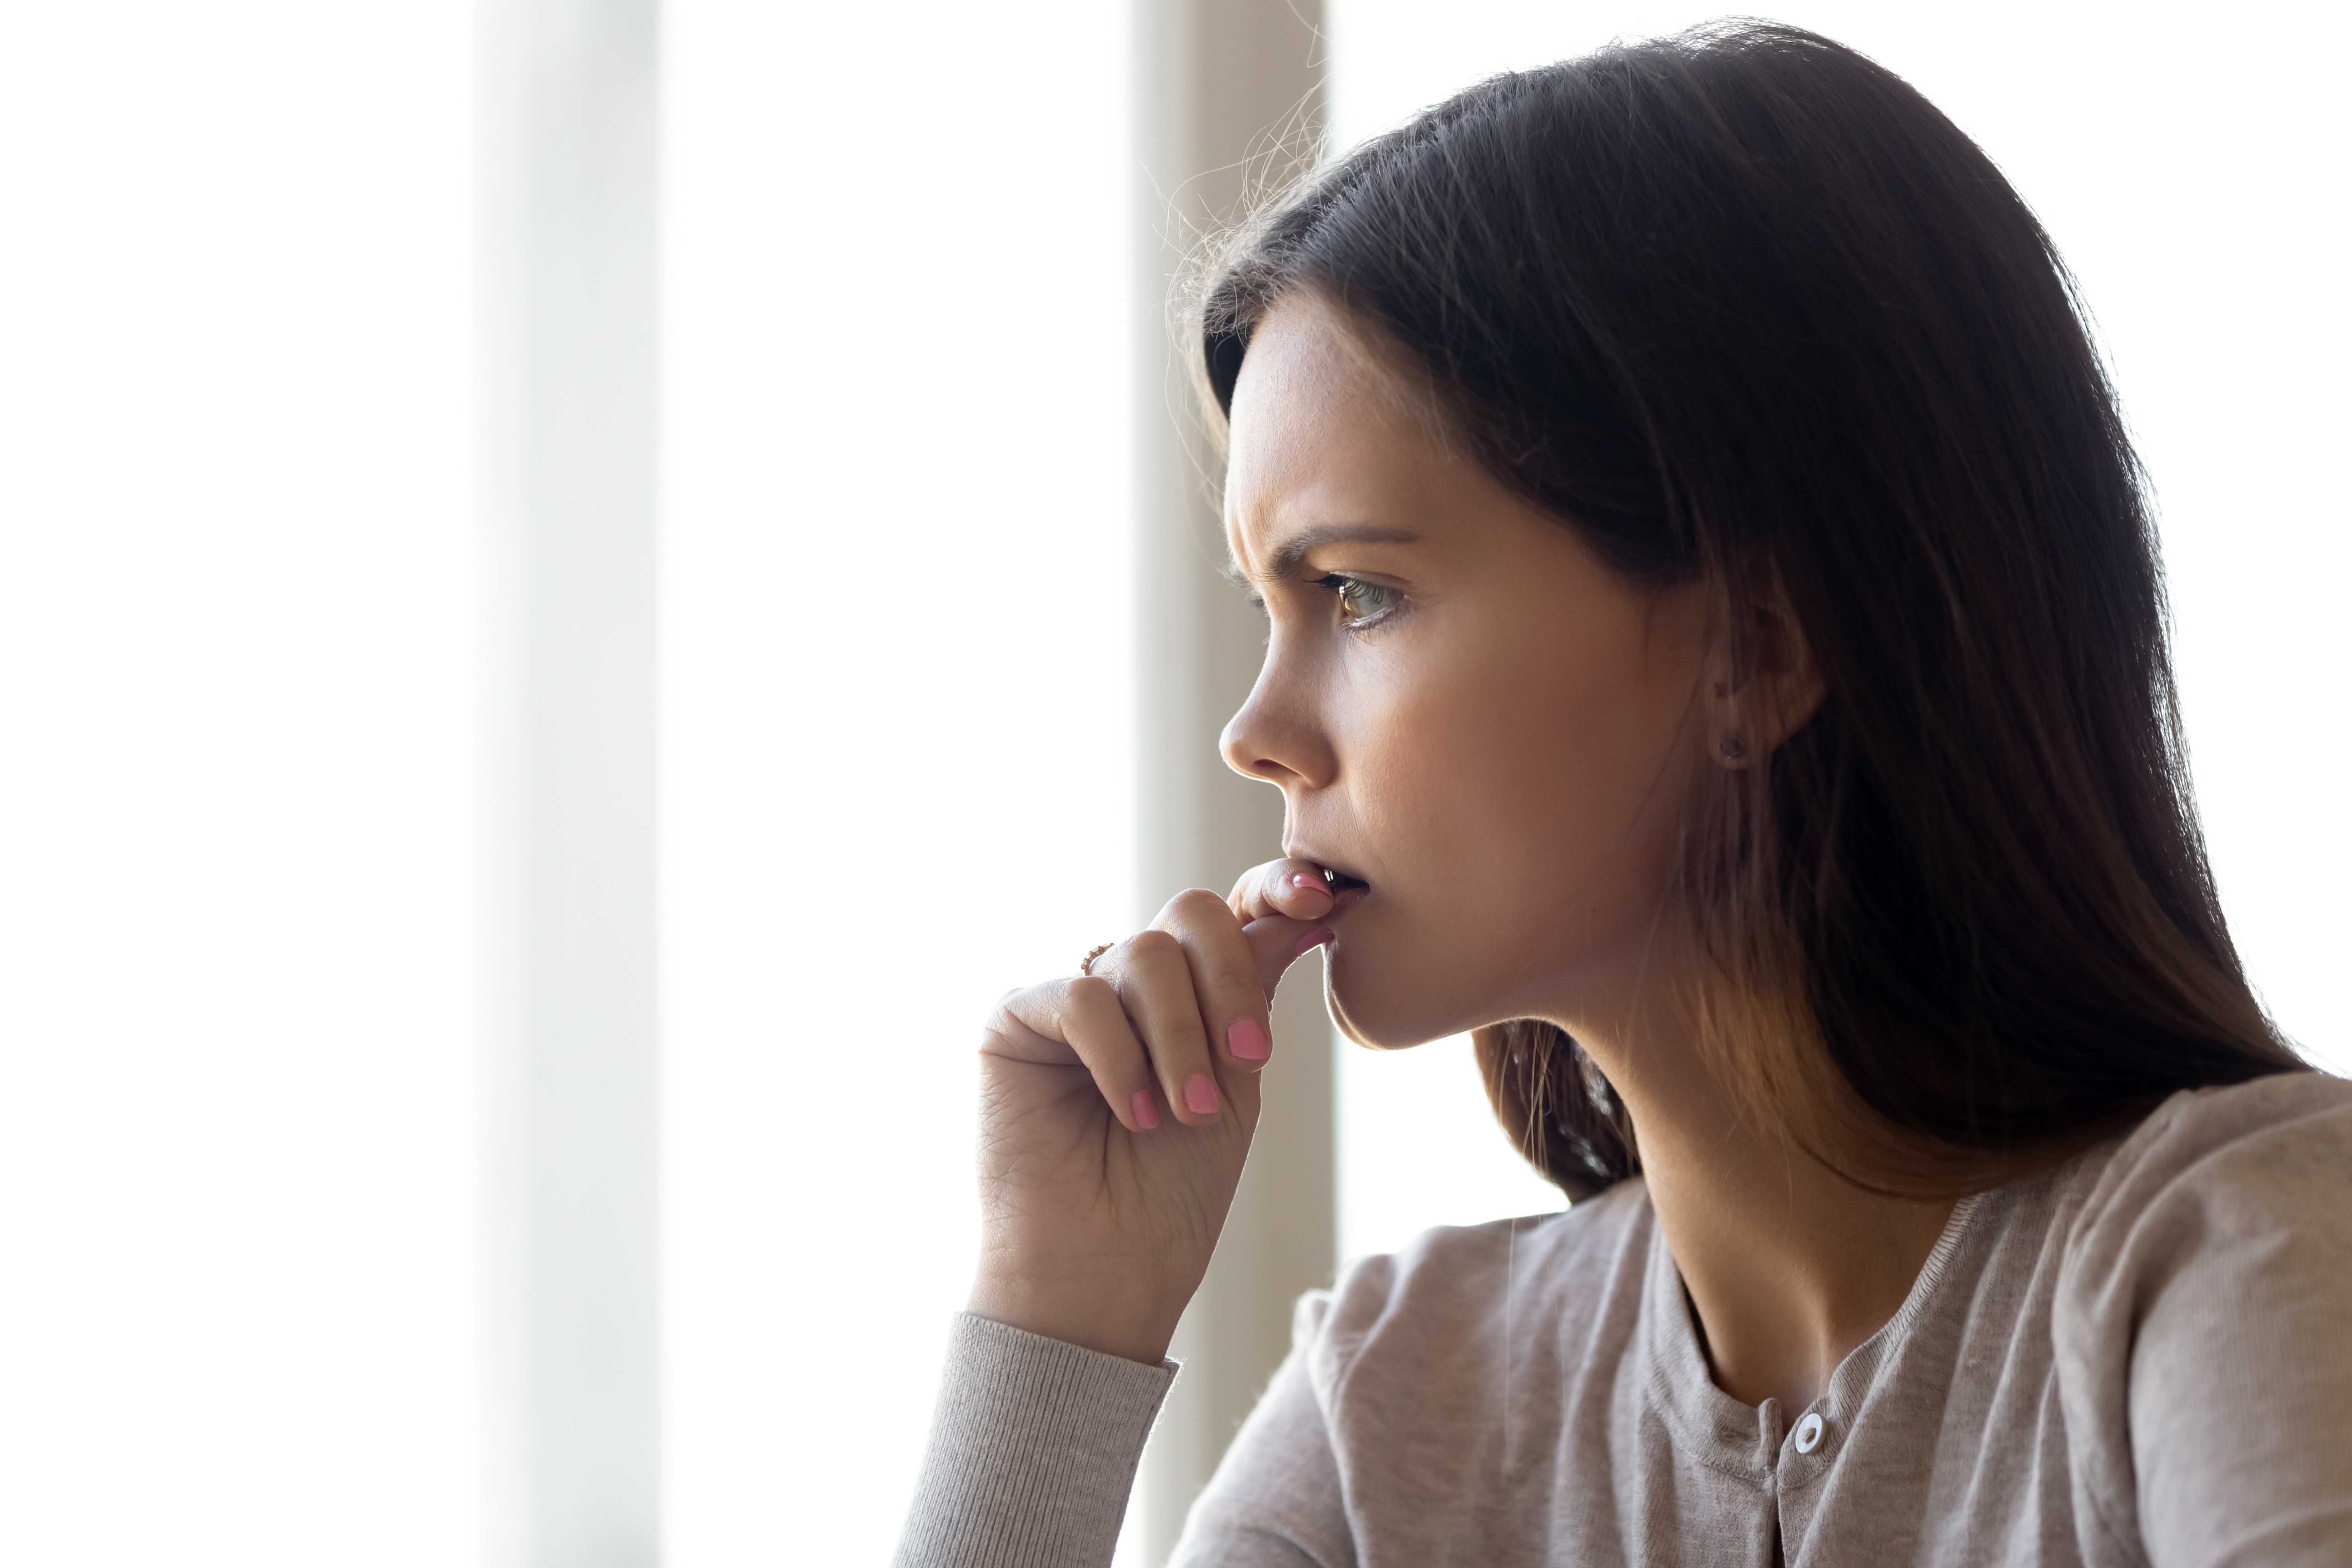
{"x":1278,"y":736}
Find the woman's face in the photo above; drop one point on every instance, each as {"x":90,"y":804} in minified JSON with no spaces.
{"x":1469,"y":716}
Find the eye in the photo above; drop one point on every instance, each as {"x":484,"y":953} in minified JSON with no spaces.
{"x":1360,"y":602}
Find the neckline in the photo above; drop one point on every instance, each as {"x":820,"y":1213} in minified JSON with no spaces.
{"x":1743,"y":1439}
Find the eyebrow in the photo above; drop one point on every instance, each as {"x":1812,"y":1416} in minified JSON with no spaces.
{"x":1294,"y":551}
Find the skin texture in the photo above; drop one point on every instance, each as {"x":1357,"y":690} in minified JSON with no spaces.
{"x":1488,"y":740}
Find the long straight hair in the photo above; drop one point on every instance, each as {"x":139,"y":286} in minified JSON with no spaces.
{"x":1741,"y":308}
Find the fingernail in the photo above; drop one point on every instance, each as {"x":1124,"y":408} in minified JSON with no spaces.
{"x":1248,"y":1040}
{"x":1200,"y":1095}
{"x":1146,"y":1109}
{"x":1302,"y":880}
{"x":1314,"y":938}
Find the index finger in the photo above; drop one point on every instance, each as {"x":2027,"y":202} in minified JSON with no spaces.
{"x":1227,"y":978}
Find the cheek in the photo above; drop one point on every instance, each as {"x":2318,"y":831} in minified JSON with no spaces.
{"x":1523,"y":803}
{"x":1523,"y":768}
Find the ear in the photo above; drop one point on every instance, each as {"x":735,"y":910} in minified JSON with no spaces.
{"x":1762,"y":683}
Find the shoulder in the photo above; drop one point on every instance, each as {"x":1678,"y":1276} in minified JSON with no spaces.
{"x":2199,"y":1323}
{"x":2275,"y":1144}
{"x":1452,"y":1294}
{"x":2241,"y":1184}
{"x":2293,"y":1105}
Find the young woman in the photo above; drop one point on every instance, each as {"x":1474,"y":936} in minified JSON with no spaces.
{"x":1717,"y":653}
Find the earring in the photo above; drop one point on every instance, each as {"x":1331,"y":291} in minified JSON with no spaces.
{"x":1731,"y":749}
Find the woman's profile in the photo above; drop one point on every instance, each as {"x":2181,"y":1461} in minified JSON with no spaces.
{"x":1717,"y":654}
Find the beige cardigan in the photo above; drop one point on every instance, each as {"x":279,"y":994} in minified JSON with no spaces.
{"x":2144,"y":1357}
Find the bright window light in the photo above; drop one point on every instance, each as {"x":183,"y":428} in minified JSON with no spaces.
{"x":236,"y":901}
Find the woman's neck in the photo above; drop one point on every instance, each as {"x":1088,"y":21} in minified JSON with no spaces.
{"x":1789,"y":1267}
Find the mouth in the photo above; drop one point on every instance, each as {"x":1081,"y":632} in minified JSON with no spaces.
{"x":1347,"y":891}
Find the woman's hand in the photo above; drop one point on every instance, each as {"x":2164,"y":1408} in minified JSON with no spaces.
{"x":1116,"y":1109}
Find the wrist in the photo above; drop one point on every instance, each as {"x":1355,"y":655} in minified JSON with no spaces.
{"x":1112,"y":1322}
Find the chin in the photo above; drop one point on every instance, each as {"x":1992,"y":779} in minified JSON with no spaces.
{"x":1391,"y":1013}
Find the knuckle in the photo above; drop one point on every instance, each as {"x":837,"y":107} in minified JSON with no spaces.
{"x":1153,"y":946}
{"x":1197,"y":903}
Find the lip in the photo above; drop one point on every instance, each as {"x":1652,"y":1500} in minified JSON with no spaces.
{"x":1343,"y":899}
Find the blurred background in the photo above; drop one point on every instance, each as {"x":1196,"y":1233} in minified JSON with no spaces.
{"x":571,"y":588}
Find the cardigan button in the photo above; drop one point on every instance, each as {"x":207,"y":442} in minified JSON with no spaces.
{"x":1809,"y":1433}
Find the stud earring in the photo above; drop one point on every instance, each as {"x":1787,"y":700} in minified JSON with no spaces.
{"x":1731,"y":749}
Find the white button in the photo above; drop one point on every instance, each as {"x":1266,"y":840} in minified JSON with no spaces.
{"x":1808,"y":1434}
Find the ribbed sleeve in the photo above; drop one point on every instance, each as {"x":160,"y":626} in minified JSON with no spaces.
{"x":1033,"y":1452}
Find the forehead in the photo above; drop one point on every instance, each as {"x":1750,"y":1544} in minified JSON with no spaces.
{"x":1323,"y":430}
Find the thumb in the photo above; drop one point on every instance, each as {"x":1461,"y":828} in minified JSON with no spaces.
{"x":1278,"y":941}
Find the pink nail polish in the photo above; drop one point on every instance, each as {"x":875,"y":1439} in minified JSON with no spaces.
{"x":1248,"y":1042}
{"x":1200,"y":1095}
{"x":1302,"y":880}
{"x":1314,"y":938}
{"x":1146,"y":1109}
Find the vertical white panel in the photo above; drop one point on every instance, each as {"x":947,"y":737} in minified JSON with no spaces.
{"x":897,"y":765}
{"x":567,"y":214}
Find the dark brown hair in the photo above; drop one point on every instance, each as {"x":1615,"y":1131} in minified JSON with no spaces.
{"x":1743,"y":309}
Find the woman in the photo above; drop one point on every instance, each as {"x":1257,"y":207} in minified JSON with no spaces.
{"x":1717,"y":654}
